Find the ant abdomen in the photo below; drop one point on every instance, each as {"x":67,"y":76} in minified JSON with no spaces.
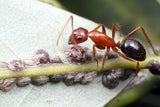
{"x":133,"y":49}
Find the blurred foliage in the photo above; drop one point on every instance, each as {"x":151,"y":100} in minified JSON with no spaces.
{"x":128,"y":14}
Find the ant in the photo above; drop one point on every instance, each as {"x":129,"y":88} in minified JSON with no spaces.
{"x":132,"y":49}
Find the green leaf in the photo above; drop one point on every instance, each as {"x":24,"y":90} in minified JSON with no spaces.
{"x":29,"y":25}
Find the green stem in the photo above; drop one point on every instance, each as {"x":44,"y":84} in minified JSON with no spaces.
{"x":67,"y":68}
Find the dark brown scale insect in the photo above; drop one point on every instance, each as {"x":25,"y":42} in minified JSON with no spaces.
{"x":79,"y":77}
{"x":40,"y":80}
{"x":41,"y":57}
{"x":154,"y":67}
{"x":23,"y":81}
{"x":69,"y":78}
{"x":77,"y":55}
{"x":16,"y":65}
{"x":126,"y":74}
{"x":109,"y":79}
{"x":8,"y":84}
{"x":56,"y":77}
{"x":1,"y":82}
{"x":88,"y":77}
{"x":103,"y":41}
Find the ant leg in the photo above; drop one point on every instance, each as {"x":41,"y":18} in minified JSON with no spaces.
{"x":126,"y":57}
{"x":135,"y":31}
{"x":70,"y":18}
{"x":103,"y":28}
{"x":113,"y":30}
{"x":94,"y":54}
{"x":75,"y":52}
{"x":104,"y":58}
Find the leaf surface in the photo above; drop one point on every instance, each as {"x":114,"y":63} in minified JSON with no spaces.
{"x":29,"y":25}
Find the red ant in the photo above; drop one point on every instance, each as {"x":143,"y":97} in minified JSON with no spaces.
{"x":132,"y":49}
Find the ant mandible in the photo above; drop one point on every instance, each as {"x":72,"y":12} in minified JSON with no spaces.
{"x":132,"y":49}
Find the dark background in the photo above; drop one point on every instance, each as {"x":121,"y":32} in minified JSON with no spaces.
{"x":129,"y":14}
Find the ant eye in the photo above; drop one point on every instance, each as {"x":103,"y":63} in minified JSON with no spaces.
{"x":79,"y":38}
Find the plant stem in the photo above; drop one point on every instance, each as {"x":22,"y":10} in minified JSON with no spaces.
{"x":67,"y":68}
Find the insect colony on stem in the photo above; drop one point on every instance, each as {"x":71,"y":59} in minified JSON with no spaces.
{"x":131,"y":50}
{"x":42,"y":58}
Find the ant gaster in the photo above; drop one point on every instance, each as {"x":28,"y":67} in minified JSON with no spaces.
{"x":132,"y":49}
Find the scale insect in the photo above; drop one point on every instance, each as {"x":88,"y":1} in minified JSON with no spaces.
{"x":131,"y":50}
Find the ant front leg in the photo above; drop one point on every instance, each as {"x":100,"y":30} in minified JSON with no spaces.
{"x":75,"y":52}
{"x":126,"y":57}
{"x":103,"y":28}
{"x":113,"y":30}
{"x":145,"y":34}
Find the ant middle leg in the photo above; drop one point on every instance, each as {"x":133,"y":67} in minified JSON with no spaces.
{"x":103,"y":28}
{"x":145,"y":34}
{"x":126,"y":57}
{"x":104,"y":58}
{"x":113,"y":30}
{"x":94,"y":52}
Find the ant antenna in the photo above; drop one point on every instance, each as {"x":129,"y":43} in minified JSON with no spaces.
{"x":70,"y":18}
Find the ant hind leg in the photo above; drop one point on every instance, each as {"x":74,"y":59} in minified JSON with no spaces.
{"x":104,"y":58}
{"x":126,"y":57}
{"x":113,"y":30}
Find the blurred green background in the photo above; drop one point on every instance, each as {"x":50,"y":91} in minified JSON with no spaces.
{"x":129,"y":14}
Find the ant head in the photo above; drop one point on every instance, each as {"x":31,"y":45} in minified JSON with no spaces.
{"x":78,"y":36}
